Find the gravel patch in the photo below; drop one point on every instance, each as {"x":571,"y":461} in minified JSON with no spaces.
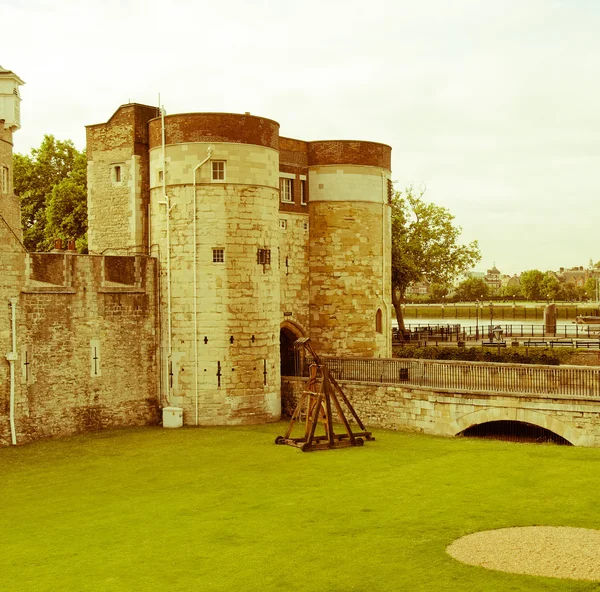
{"x":551,"y":551}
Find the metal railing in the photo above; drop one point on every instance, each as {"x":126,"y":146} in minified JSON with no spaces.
{"x":439,"y":332}
{"x":571,"y":381}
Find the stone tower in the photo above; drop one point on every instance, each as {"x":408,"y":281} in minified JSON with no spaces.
{"x":118,"y":181}
{"x":10,"y":121}
{"x":218,"y":179}
{"x":261,"y":239}
{"x":350,"y":243}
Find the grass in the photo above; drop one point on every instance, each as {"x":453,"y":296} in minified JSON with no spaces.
{"x":222,"y":509}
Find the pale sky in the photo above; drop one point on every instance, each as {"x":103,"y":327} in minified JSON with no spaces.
{"x":493,"y":106}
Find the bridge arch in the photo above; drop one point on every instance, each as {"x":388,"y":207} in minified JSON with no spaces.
{"x":570,"y":433}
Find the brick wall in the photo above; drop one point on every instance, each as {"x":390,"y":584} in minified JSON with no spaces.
{"x":87,"y":347}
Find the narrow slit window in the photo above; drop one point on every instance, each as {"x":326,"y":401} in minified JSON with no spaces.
{"x":283,"y":224}
{"x":218,"y":255}
{"x":303,"y":193}
{"x":4,"y":180}
{"x":95,"y":368}
{"x":379,"y":321}
{"x":218,"y":170}
{"x":117,"y":174}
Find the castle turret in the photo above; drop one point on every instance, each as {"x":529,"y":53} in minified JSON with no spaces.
{"x":349,"y":257}
{"x":218,"y":182}
{"x":117,"y":153}
{"x":10,"y":121}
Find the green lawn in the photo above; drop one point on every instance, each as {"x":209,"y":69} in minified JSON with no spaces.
{"x":225,"y":509}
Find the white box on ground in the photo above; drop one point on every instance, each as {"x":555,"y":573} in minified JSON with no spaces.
{"x":172,"y":417}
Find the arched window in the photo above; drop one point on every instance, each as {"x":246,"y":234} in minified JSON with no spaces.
{"x":379,"y":321}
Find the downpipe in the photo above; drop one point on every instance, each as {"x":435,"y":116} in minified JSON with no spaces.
{"x":196,"y":168}
{"x":12,"y":358}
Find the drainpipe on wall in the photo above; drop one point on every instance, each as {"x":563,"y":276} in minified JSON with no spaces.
{"x":387,"y":328}
{"x":168,"y":254}
{"x":12,"y":358}
{"x":196,"y":168}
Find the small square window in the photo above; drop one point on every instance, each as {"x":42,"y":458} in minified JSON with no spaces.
{"x":218,"y":255}
{"x":303,"y":193}
{"x":283,"y":224}
{"x":218,"y":170}
{"x":287,"y":190}
{"x":263,"y":256}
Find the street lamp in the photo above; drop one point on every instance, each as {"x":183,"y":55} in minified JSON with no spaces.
{"x":477,"y":320}
{"x":491,"y":318}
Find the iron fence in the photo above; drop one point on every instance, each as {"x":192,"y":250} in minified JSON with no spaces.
{"x":571,"y":381}
{"x":440,"y":332}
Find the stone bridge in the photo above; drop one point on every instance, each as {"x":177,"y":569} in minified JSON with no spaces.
{"x":448,"y":412}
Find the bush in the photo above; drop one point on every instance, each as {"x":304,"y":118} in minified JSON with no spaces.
{"x":512,"y":355}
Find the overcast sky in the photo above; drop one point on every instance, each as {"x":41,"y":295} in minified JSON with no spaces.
{"x":493,"y":106}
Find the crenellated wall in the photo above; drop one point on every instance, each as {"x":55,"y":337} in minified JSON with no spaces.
{"x":87,"y":351}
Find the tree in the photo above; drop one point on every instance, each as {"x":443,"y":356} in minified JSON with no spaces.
{"x":424,"y":246}
{"x":438,"y":291}
{"x":531,"y":284}
{"x":551,"y":288}
{"x":472,"y":288}
{"x":511,"y":291}
{"x":51,"y":182}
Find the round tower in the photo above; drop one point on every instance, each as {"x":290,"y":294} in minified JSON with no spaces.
{"x":214,"y":200}
{"x":350,"y":246}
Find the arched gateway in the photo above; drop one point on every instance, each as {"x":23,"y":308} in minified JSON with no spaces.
{"x":288,"y":334}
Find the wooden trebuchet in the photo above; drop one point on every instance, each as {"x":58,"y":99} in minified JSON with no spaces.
{"x":315,"y":407}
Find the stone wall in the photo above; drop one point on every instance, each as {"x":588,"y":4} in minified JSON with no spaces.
{"x":118,"y":182}
{"x":86,"y":345}
{"x":9,"y":203}
{"x":447,"y":413}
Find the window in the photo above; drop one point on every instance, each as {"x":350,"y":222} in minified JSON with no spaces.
{"x":379,"y":321}
{"x":117,"y":174}
{"x":218,"y":170}
{"x":283,"y":224}
{"x":4,"y":180}
{"x":263,"y":256}
{"x":303,"y":193}
{"x":160,"y":176}
{"x":287,"y":190}
{"x":305,"y":225}
{"x":218,"y":255}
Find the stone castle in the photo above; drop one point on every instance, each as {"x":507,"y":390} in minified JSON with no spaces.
{"x":214,"y":244}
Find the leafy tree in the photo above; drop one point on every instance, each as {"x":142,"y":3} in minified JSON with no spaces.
{"x":424,"y":245}
{"x":531,"y":284}
{"x":437,"y":292}
{"x":511,"y":291}
{"x":472,"y":288}
{"x":551,"y":288}
{"x":51,"y":184}
{"x":590,"y":288}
